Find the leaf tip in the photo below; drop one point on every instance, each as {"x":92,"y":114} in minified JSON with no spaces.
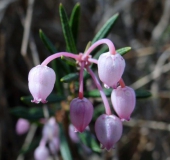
{"x":60,"y":5}
{"x":61,"y":80}
{"x":78,"y":4}
{"x":40,"y":30}
{"x":21,"y":98}
{"x":117,"y":14}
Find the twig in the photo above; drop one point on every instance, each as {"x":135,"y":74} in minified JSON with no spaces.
{"x":148,"y":124}
{"x":3,"y":5}
{"x":163,"y":23}
{"x":159,"y":69}
{"x":34,"y":51}
{"x":27,"y":28}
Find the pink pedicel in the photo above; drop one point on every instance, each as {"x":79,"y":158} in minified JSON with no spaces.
{"x":50,"y":129}
{"x":123,"y":101}
{"x":41,"y":153}
{"x":108,"y":130}
{"x":22,"y":126}
{"x":81,"y":112}
{"x":110,"y":68}
{"x":41,"y":81}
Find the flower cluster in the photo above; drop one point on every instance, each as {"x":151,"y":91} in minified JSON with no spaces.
{"x":111,"y":65}
{"x":50,"y":135}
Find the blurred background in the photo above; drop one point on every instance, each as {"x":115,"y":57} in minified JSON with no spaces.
{"x":143,"y":25}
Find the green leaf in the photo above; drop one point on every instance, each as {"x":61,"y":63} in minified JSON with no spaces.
{"x":69,"y":61}
{"x":104,"y":49}
{"x":48,"y":44}
{"x":96,"y":93}
{"x":70,"y":43}
{"x":52,"y":98}
{"x":104,"y":31}
{"x":123,"y":51}
{"x":64,"y":148}
{"x":88,"y":139}
{"x":32,"y":114}
{"x":98,"y":110}
{"x":141,"y":93}
{"x":75,"y":20}
{"x":70,"y":77}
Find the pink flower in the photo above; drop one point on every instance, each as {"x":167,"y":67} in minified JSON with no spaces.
{"x":22,"y":126}
{"x":81,"y":112}
{"x":41,"y":81}
{"x":108,"y":130}
{"x":110,"y":68}
{"x":50,"y":129}
{"x":123,"y":100}
{"x":41,"y":153}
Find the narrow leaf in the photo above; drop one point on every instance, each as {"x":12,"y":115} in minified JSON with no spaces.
{"x":104,"y":31}
{"x":102,"y":50}
{"x":48,"y":44}
{"x":98,"y":110}
{"x":141,"y":93}
{"x":88,"y":139}
{"x":96,"y":93}
{"x":64,"y":148}
{"x":69,"y":61}
{"x":123,"y":51}
{"x":52,"y":98}
{"x":87,"y":46}
{"x":75,"y":20}
{"x":70,"y":77}
{"x":32,"y":114}
{"x":70,"y":43}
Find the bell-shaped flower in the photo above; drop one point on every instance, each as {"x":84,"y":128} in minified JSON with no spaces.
{"x":41,"y":81}
{"x":50,"y":129}
{"x":110,"y":68}
{"x":22,"y":126}
{"x":108,"y":130}
{"x":81,"y":112}
{"x":123,"y":101}
{"x":41,"y":153}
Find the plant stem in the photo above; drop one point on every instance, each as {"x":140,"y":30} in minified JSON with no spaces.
{"x":122,"y":83}
{"x":92,"y":60}
{"x":57,"y":55}
{"x":104,"y":98}
{"x":81,"y":81}
{"x":99,"y":42}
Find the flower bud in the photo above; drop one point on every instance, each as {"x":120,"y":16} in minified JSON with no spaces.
{"x":123,"y":101}
{"x":110,"y":68}
{"x":41,"y":81}
{"x":81,"y":112}
{"x":50,"y":129}
{"x":108,"y":130}
{"x":22,"y":126}
{"x":54,"y":145}
{"x":41,"y":153}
